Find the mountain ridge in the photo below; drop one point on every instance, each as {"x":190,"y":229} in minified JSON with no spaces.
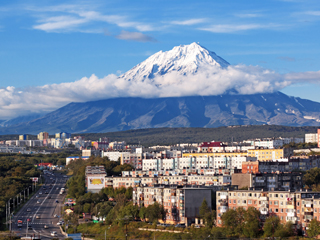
{"x":121,"y":114}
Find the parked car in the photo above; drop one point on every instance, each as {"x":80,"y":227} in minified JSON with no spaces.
{"x":180,"y":225}
{"x":29,"y":210}
{"x":45,"y":226}
{"x":54,"y":234}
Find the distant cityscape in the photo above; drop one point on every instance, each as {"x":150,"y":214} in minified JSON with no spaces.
{"x":179,"y":177}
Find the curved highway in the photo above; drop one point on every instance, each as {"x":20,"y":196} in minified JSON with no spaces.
{"x":39,"y":212}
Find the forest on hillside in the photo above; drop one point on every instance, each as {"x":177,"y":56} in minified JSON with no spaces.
{"x":170,"y":136}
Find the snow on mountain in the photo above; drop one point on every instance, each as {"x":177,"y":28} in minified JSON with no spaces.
{"x":183,"y":59}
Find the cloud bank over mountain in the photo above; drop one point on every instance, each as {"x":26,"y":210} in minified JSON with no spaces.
{"x":199,"y":73}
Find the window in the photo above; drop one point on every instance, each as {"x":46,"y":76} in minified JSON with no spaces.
{"x":234,"y":201}
{"x":298,"y":211}
{"x":276,"y":203}
{"x":281,"y":210}
{"x":276,"y":210}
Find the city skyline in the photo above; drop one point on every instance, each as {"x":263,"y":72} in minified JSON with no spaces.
{"x":54,"y":45}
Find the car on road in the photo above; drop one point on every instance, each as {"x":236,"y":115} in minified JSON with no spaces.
{"x":46,"y":226}
{"x":37,"y":217}
{"x":55,"y":215}
{"x":28,"y":219}
{"x":46,"y":192}
{"x":40,"y":192}
{"x":180,"y":225}
{"x":29,"y":227}
{"x":37,"y":196}
{"x":59,"y":223}
{"x":57,"y":201}
{"x":54,"y":234}
{"x":38,"y":201}
{"x":28,"y":209}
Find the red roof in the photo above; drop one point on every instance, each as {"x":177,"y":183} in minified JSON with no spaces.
{"x":45,"y":164}
{"x":211,"y":144}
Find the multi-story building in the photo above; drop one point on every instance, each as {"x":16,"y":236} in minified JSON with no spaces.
{"x":298,"y":207}
{"x":311,"y":137}
{"x":206,"y":147}
{"x":264,"y":154}
{"x":43,"y":135}
{"x":302,"y":163}
{"x":117,"y":145}
{"x":269,"y":181}
{"x":95,"y":178}
{"x":182,"y":204}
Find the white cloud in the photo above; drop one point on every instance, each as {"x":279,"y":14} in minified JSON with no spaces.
{"x":231,"y":28}
{"x":80,"y":18}
{"x":60,"y":23}
{"x":313,"y":13}
{"x":228,"y":28}
{"x":248,"y":15}
{"x":189,"y":21}
{"x":135,"y":36}
{"x":242,"y":79}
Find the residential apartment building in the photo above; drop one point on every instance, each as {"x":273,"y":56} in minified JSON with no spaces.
{"x":182,"y":204}
{"x":269,"y":181}
{"x":302,"y":163}
{"x":298,"y":207}
{"x":95,"y":178}
{"x":263,"y":154}
{"x":43,"y":135}
{"x":311,"y":137}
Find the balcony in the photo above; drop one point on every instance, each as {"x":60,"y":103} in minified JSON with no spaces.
{"x":308,"y":209}
{"x":291,"y":219}
{"x":308,"y":205}
{"x":223,"y":209}
{"x":291,"y":214}
{"x":264,"y":211}
{"x":224,"y":197}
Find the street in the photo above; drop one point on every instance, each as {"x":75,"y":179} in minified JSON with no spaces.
{"x":40,"y":210}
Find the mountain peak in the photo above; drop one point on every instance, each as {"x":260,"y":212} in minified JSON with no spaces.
{"x":183,"y":59}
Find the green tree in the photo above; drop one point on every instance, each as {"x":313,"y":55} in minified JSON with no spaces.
{"x":233,"y":222}
{"x":142,"y":212}
{"x":270,"y":226}
{"x":204,"y":208}
{"x":155,"y":212}
{"x":312,"y":178}
{"x":314,"y":228}
{"x":251,"y":228}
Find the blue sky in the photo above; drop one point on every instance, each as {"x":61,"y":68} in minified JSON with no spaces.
{"x":46,"y":43}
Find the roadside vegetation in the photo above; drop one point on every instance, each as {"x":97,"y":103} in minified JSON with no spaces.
{"x":15,"y":174}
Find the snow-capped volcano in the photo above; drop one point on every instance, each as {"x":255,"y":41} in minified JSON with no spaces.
{"x":183,"y":59}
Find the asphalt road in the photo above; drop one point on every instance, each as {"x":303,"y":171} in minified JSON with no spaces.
{"x":42,"y":213}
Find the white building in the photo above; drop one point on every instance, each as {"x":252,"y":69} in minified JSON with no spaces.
{"x":311,"y":137}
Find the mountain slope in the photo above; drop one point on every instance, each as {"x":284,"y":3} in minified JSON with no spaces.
{"x":195,"y":111}
{"x":184,"y":60}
